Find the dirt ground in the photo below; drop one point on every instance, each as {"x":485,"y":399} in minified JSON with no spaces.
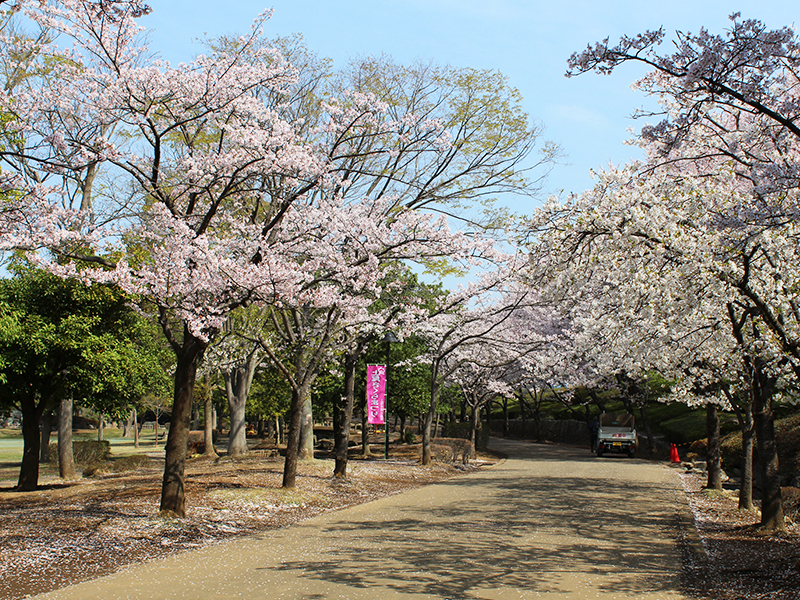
{"x":742,"y":562}
{"x":65,"y":533}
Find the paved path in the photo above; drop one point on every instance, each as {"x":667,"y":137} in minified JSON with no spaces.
{"x":549,"y":522}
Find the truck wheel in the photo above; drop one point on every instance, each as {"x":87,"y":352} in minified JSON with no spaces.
{"x":631,"y":453}
{"x":599,"y":452}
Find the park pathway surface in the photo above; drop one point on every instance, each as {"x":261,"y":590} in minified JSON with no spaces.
{"x":549,"y":522}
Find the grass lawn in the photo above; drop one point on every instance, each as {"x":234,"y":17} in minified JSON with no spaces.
{"x":11,"y":448}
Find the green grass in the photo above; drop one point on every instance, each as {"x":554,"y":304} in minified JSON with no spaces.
{"x":11,"y":448}
{"x":10,"y":454}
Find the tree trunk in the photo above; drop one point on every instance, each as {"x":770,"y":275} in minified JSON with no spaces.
{"x":744,"y":414}
{"x":208,"y":428}
{"x":293,"y":439}
{"x":237,"y":399}
{"x":748,"y":431}
{"x":713,"y":463}
{"x":342,"y":415}
{"x":173,"y":502}
{"x":66,"y":459}
{"x":306,"y":447}
{"x":402,"y":439}
{"x":101,"y":425}
{"x":522,"y":417}
{"x":771,"y":500}
{"x":137,"y":430}
{"x":127,"y":429}
{"x":238,"y":381}
{"x":45,"y":427}
{"x":473,"y":426}
{"x":31,"y":438}
{"x":365,"y":449}
{"x":651,"y":447}
{"x":426,"y":427}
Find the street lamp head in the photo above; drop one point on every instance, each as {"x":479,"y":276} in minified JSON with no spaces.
{"x":389,"y":337}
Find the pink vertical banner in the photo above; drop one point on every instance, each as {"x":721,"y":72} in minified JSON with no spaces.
{"x":376,"y":393}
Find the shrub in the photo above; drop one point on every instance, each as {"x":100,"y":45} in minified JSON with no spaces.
{"x":131,"y":463}
{"x":89,"y":452}
{"x":85,"y":453}
{"x":698,"y":449}
{"x":98,"y":469}
{"x":791,"y":502}
{"x":443,"y":454}
{"x":462,"y":430}
{"x":731,"y":451}
{"x":787,"y":435}
{"x":450,"y":450}
{"x":409,"y":437}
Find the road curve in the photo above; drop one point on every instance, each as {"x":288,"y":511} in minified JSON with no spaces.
{"x":549,"y":522}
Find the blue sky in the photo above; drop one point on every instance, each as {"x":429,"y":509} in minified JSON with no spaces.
{"x":589,"y":116}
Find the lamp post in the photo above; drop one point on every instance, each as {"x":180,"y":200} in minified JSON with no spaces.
{"x":387,"y":339}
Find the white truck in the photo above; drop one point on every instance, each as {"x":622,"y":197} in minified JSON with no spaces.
{"x":616,"y":433}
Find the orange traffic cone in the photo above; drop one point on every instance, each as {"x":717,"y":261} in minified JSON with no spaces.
{"x":673,"y":454}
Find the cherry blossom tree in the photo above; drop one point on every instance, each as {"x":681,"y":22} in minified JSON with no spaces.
{"x":475,"y":330}
{"x":551,"y":364}
{"x":200,"y":188}
{"x":194,"y":224}
{"x":723,"y":163}
{"x":644,"y":254}
{"x":354,"y":263}
{"x":731,"y":107}
{"x":192,"y":146}
{"x":481,"y":383}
